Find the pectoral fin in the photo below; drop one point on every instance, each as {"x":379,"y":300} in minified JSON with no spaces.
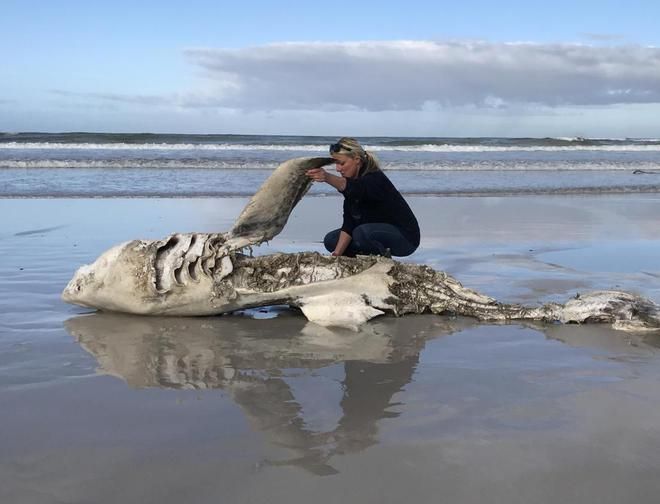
{"x":339,"y":309}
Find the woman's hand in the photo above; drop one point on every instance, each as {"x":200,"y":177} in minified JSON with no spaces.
{"x":320,"y":175}
{"x":317,"y":174}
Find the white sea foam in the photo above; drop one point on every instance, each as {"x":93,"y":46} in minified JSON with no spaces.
{"x":249,"y":165}
{"x":120,"y":164}
{"x":629,"y":147}
{"x":156,"y":147}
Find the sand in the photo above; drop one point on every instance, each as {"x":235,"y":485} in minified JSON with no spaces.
{"x":264,"y":407}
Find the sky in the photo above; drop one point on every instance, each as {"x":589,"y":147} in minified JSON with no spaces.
{"x":413,"y":68}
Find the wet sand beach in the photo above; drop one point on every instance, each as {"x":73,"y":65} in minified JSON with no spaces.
{"x":263,"y":406}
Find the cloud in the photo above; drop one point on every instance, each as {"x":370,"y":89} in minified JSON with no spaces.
{"x":603,"y":37}
{"x":115,"y":97}
{"x":177,"y":100}
{"x":410,"y":75}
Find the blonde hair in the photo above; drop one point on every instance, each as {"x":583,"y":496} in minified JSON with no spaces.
{"x":347,"y":146}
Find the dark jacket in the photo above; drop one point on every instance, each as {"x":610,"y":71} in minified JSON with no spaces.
{"x":372,"y":198}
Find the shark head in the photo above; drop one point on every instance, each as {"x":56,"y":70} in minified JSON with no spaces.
{"x":175,"y":275}
{"x":114,"y":281}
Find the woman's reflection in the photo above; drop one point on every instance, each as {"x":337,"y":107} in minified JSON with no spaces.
{"x":252,"y":361}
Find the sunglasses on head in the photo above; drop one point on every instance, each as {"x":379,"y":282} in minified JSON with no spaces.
{"x":336,"y":147}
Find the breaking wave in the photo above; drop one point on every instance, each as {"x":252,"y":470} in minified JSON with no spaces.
{"x":646,"y":146}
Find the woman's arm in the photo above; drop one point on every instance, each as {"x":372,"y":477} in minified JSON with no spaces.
{"x":320,"y":175}
{"x":339,"y":183}
{"x":342,"y":243}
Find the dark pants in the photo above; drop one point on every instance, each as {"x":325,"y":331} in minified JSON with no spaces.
{"x":372,"y":239}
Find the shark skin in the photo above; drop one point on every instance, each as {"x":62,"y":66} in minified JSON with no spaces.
{"x":200,"y":274}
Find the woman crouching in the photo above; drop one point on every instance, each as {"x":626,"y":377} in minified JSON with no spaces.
{"x":377,"y":219}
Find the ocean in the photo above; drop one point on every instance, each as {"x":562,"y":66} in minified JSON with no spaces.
{"x":65,"y":165}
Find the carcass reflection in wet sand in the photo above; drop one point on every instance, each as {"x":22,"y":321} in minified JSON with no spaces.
{"x":251,"y":360}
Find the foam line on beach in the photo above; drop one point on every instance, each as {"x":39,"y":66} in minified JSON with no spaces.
{"x":447,"y":165}
{"x":485,"y":192}
{"x":307,"y":148}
